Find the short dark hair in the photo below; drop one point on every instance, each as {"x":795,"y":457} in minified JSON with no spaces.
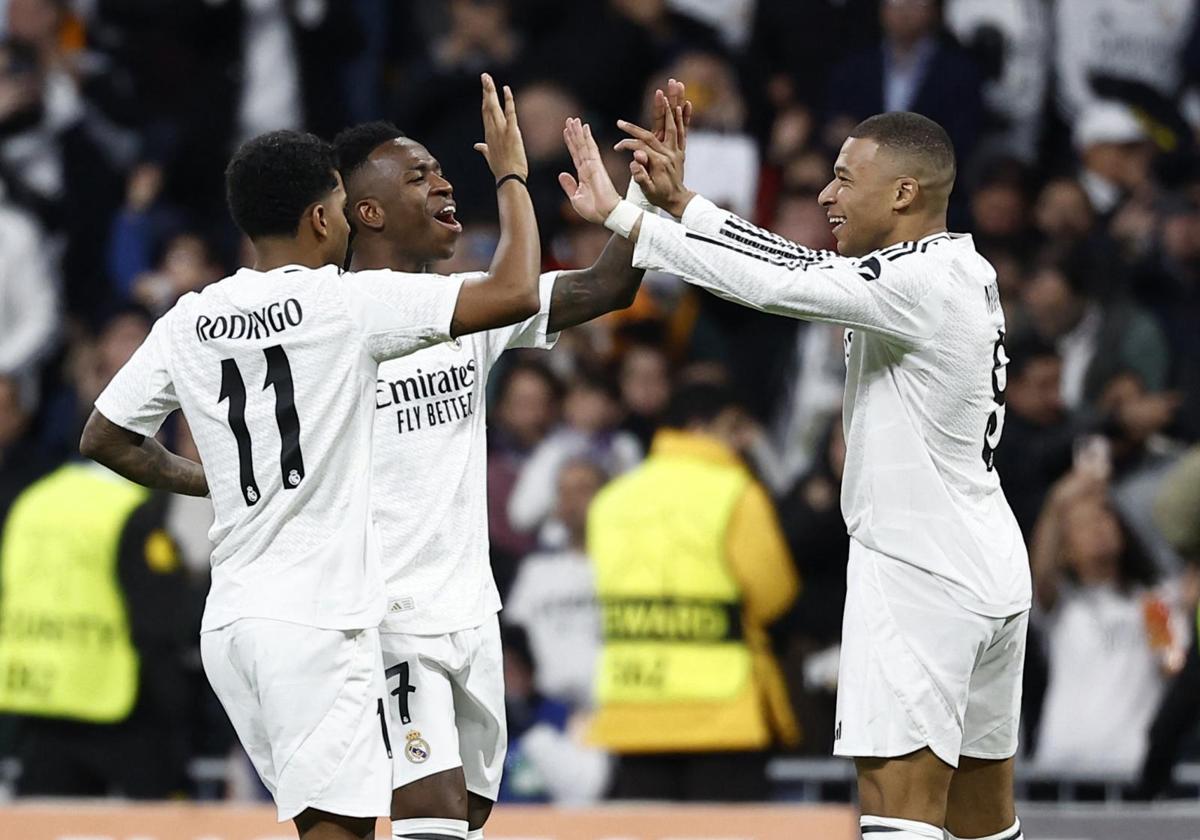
{"x":354,"y":145}
{"x":910,"y":134}
{"x":274,"y":178}
{"x":699,"y":402}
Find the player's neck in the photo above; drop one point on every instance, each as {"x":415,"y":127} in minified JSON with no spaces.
{"x":271,"y":253}
{"x":911,"y":230}
{"x":375,"y":253}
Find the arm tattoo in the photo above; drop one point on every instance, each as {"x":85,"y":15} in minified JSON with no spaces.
{"x":141,"y":459}
{"x":610,"y":283}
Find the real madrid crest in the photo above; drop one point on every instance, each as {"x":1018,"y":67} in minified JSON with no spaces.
{"x":417,"y":748}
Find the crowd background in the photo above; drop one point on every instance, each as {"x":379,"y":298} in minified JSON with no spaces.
{"x":1075,"y":123}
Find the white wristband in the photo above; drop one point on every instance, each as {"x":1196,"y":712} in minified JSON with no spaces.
{"x":634,"y":195}
{"x":623,"y":217}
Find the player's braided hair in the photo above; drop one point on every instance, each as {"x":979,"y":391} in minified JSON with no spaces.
{"x":354,"y":145}
{"x":274,"y":178}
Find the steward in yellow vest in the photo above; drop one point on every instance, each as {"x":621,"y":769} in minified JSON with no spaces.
{"x":690,"y":568}
{"x":88,"y":580}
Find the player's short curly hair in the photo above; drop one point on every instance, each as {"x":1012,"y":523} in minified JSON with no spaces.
{"x":354,"y":145}
{"x":274,"y":178}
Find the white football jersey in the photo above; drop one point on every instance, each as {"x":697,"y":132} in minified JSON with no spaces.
{"x":275,"y":372}
{"x":429,"y":470}
{"x":924,"y":403}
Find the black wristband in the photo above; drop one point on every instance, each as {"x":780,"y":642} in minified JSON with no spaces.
{"x":512,"y":176}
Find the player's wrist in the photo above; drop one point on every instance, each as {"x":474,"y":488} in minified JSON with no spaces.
{"x":636,"y":197}
{"x":678,"y":204}
{"x":623,"y":217}
{"x":513,"y":177}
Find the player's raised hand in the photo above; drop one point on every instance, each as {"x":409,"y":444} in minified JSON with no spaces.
{"x":502,"y":145}
{"x":658,"y":161}
{"x":590,"y":190}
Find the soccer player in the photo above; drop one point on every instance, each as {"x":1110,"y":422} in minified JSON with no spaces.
{"x":938,"y":580}
{"x":441,"y":636}
{"x":274,"y":369}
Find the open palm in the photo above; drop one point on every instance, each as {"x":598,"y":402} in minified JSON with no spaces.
{"x":590,"y":190}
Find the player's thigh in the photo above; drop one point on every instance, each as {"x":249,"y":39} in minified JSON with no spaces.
{"x":237,"y":696}
{"x":908,"y":787}
{"x":427,"y":768}
{"x":312,"y":824}
{"x":479,"y":710}
{"x":908,"y":652}
{"x":980,"y":803}
{"x":319,"y":713}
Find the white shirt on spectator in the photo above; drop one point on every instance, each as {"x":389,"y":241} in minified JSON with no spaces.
{"x":1077,"y":349}
{"x":28,"y":292}
{"x":1105,"y":683}
{"x":554,"y":599}
{"x":1139,"y":40}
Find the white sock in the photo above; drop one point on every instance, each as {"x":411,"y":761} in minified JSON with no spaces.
{"x":889,"y":828}
{"x":1013,"y":832}
{"x":429,"y":828}
{"x":475,"y":834}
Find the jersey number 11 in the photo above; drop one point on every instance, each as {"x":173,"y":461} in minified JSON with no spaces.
{"x":233,"y":388}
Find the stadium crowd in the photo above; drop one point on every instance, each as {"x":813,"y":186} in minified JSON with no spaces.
{"x":1076,"y":125}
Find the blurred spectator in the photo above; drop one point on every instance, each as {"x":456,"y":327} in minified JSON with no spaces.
{"x":1037,"y":445}
{"x":112,"y":681}
{"x":811,"y":516}
{"x":645,"y":382}
{"x":1063,"y":211}
{"x":62,"y":163}
{"x":1010,"y":42}
{"x":545,"y":107}
{"x":28,"y":292}
{"x":916,"y":68}
{"x":187,"y":265}
{"x":1104,"y":631}
{"x":554,"y":596}
{"x":102,"y":702}
{"x":547,"y":760}
{"x":1178,"y":514}
{"x":526,"y":407}
{"x":1114,"y":153}
{"x":1167,"y":281}
{"x":722,"y":157}
{"x":691,"y":568}
{"x":1095,"y":340}
{"x":592,"y":413}
{"x":1116,"y":39}
{"x":20,"y":463}
{"x":999,"y":189}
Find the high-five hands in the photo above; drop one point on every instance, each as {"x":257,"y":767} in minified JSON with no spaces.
{"x":656,"y":169}
{"x":502,"y":146}
{"x":658,"y":155}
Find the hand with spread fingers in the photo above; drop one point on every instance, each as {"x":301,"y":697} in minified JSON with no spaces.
{"x":502,"y":145}
{"x":658,"y":156}
{"x":590,"y":190}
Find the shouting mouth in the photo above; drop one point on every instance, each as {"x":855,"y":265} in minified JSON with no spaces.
{"x":445,"y":218}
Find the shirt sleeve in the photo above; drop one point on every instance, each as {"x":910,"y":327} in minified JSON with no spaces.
{"x":142,"y":394}
{"x":723,"y":253}
{"x":532,"y":332}
{"x":400,"y":313}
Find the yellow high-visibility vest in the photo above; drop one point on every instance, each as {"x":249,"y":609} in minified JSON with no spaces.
{"x":65,"y":646}
{"x":671,"y":611}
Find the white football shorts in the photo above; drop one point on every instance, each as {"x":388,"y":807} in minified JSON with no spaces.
{"x":918,"y":670}
{"x":308,"y":706}
{"x":446,"y":696}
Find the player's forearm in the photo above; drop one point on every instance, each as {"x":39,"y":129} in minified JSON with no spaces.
{"x":140,"y":459}
{"x":611,"y":283}
{"x":509,"y":293}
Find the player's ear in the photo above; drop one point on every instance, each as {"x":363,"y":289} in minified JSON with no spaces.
{"x":317,"y":218}
{"x":368,"y":212}
{"x":907,"y":190}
